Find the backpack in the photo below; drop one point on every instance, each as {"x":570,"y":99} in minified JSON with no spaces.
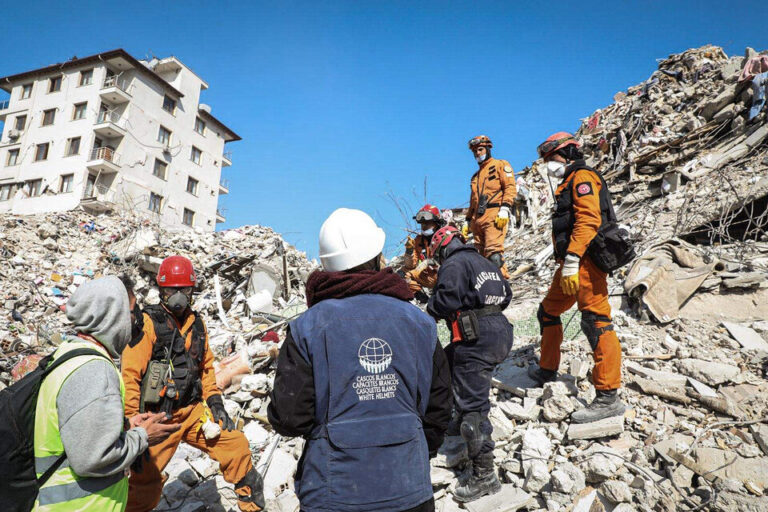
{"x":19,"y":484}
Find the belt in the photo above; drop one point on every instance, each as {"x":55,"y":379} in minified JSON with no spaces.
{"x":493,"y":205}
{"x":487,"y":310}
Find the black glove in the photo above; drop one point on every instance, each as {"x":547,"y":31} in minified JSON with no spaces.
{"x":216,"y":405}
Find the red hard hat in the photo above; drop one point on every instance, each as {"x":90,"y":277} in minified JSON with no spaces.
{"x":556,"y":141}
{"x":427,"y":213}
{"x":176,"y":272}
{"x":441,"y":238}
{"x":480,"y":140}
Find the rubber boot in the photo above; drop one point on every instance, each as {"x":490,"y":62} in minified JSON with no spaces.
{"x":482,"y":482}
{"x":541,"y":375}
{"x":605,"y":405}
{"x":250,"y":492}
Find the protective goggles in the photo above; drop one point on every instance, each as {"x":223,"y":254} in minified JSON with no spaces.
{"x":479,"y":141}
{"x":425,"y":217}
{"x":168,"y":291}
{"x":550,"y":146}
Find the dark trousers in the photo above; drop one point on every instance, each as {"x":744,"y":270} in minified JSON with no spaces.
{"x":472,"y":365}
{"x":427,"y":506}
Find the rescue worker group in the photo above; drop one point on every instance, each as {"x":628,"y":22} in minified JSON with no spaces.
{"x":361,"y":375}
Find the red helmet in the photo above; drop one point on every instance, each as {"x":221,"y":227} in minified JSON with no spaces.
{"x":556,"y":141}
{"x":428,"y":213}
{"x":441,"y":238}
{"x":176,"y":272}
{"x":480,"y":140}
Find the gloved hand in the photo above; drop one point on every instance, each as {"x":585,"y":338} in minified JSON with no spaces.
{"x":216,"y":405}
{"x":569,"y":276}
{"x":502,"y":218}
{"x":465,"y":229}
{"x":409,"y":244}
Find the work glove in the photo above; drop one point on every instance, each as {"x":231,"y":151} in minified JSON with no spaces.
{"x":465,"y":229}
{"x":216,"y":405}
{"x":409,"y":245}
{"x":502,"y":218}
{"x":569,"y":276}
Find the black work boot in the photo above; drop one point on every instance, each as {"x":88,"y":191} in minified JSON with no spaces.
{"x":250,"y":492}
{"x":605,"y":405}
{"x":482,"y":482}
{"x":541,"y":375}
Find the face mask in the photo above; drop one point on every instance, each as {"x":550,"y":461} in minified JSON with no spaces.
{"x":178,"y":302}
{"x":481,"y":158}
{"x":137,"y":327}
{"x":428,"y":232}
{"x":555,"y":169}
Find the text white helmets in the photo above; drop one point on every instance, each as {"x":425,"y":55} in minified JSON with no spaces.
{"x":349,"y":238}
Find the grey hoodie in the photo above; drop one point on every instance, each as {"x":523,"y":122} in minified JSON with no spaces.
{"x":90,"y":403}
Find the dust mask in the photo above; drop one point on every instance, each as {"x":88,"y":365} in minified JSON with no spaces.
{"x":555,"y":169}
{"x":178,"y":302}
{"x":428,"y":232}
{"x":481,"y":158}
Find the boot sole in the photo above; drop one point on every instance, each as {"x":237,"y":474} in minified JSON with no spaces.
{"x":493,"y":490}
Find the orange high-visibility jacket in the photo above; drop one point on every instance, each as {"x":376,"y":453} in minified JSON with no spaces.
{"x":496,"y":180}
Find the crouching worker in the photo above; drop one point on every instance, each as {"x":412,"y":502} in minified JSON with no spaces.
{"x":471,"y":294}
{"x":170,"y":369}
{"x":363,"y":379}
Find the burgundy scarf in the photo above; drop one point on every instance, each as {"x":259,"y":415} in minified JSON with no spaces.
{"x":338,"y":285}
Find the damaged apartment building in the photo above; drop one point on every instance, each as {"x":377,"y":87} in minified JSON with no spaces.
{"x":110,"y":132}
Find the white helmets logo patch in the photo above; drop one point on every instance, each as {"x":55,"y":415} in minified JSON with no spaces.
{"x":375,"y":355}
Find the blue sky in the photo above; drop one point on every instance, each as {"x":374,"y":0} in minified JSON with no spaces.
{"x":347,"y":103}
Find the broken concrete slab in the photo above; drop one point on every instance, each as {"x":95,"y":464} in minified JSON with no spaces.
{"x":512,"y":378}
{"x":280,"y":473}
{"x":509,"y":499}
{"x":760,"y":434}
{"x":709,"y":372}
{"x":536,"y":447}
{"x":529,"y":411}
{"x":747,"y":337}
{"x":603,"y":428}
{"x":665,"y":378}
{"x":702,"y":388}
{"x":728,"y":465}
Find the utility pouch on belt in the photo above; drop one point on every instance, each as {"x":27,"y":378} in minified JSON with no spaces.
{"x":465,"y":327}
{"x":482,"y":205}
{"x":611,"y":248}
{"x":152,"y":385}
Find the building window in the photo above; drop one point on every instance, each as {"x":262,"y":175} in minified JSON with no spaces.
{"x":164,"y":136}
{"x":169,"y":104}
{"x":34,"y":187}
{"x":199,"y":126}
{"x":26,"y":91}
{"x":65,"y":183}
{"x":41,"y":152}
{"x":49,"y":116}
{"x":13,"y":158}
{"x":155,"y":202}
{"x":189,"y":217}
{"x":54,"y":84}
{"x":160,"y":169}
{"x":6,"y":191}
{"x":21,"y":123}
{"x":192,"y":185}
{"x":79,"y":111}
{"x":196,"y":154}
{"x":86,"y":77}
{"x":73,"y":146}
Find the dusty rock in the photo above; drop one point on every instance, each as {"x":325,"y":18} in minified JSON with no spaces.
{"x":616,"y":491}
{"x":557,"y":408}
{"x":603,"y":428}
{"x":536,"y":477}
{"x":536,"y":447}
{"x":709,"y":372}
{"x":509,"y":499}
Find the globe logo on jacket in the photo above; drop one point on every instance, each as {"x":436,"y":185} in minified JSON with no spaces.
{"x":375,"y":355}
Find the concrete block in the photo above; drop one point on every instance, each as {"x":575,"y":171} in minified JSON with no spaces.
{"x":607,"y":427}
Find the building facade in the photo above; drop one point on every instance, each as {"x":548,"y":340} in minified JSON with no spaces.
{"x":109,"y":132}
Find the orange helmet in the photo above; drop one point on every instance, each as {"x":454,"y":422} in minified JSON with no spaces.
{"x":556,"y":141}
{"x":481,"y":141}
{"x":176,"y":272}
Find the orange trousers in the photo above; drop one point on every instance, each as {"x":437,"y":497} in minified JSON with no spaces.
{"x":231,"y":450}
{"x":488,"y":238}
{"x":418,"y":278}
{"x":592,"y":300}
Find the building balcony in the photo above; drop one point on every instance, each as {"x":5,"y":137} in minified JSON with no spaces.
{"x":223,"y":186}
{"x":107,"y":125}
{"x":115,"y":90}
{"x":5,"y":106}
{"x":104,"y":160}
{"x":226,"y":159}
{"x":220,"y":216}
{"x":98,"y":198}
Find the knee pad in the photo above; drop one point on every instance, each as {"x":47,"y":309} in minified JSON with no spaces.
{"x":546,"y":320}
{"x":472,"y":433}
{"x":591,"y":330}
{"x":497,"y":259}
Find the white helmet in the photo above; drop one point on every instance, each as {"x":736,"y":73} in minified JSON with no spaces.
{"x":349,"y":238}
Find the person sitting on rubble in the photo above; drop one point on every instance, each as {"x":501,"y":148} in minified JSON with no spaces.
{"x":79,"y":412}
{"x":470,"y":295}
{"x":582,"y":204}
{"x":170,"y":369}
{"x":492,"y":194}
{"x":419,"y":270}
{"x":362,"y":377}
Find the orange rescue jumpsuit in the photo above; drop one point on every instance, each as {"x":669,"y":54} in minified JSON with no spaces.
{"x":496,"y":180}
{"x":231,"y":449}
{"x":592,"y":296}
{"x":418,"y":277}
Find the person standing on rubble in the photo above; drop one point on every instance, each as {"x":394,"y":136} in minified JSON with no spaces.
{"x":79,"y":413}
{"x":492,"y":195}
{"x":170,"y":370}
{"x":419,"y":272}
{"x":470,"y":295}
{"x":362,"y":377}
{"x":582,"y":204}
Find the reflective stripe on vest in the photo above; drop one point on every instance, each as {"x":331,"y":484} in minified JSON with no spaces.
{"x":65,"y":490}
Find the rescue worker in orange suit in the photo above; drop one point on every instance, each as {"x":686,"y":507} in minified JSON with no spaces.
{"x":174,"y":332}
{"x":418,"y":272}
{"x":578,"y":216}
{"x":493,"y":192}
